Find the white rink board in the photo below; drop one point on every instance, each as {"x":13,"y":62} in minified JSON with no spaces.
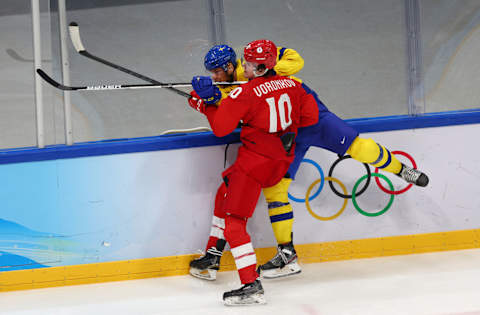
{"x":450,"y":202}
{"x":160,"y":203}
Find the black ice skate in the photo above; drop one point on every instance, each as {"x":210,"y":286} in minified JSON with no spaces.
{"x":413,"y":176}
{"x":282,"y":265}
{"x":206,"y":266}
{"x":249,"y":294}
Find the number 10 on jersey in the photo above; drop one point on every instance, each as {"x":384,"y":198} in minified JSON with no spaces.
{"x":281,"y":109}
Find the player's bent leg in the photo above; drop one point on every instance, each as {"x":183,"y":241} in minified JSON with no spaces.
{"x":206,"y":266}
{"x":367,"y":151}
{"x":242,"y":195}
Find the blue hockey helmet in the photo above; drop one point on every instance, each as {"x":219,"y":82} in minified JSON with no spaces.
{"x":219,"y":56}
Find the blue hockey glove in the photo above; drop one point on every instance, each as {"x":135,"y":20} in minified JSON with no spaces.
{"x":204,"y":87}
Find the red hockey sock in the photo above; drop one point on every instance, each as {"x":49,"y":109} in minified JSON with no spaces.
{"x":218,"y":220}
{"x":241,"y":247}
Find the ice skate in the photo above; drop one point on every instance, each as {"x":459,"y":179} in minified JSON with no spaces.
{"x":282,"y":265}
{"x":413,"y":176}
{"x":206,"y":266}
{"x":248,"y":294}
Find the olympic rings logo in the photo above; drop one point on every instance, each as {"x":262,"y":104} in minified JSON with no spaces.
{"x":355,"y":191}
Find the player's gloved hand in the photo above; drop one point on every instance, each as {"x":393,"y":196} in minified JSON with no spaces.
{"x":196,"y":102}
{"x":204,"y":87}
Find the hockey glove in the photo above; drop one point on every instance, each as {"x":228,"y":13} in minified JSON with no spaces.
{"x":204,"y":87}
{"x":196,"y":102}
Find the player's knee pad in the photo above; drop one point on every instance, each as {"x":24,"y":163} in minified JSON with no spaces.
{"x":364,"y":150}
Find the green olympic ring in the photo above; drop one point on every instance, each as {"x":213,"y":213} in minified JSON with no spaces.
{"x":372,"y":214}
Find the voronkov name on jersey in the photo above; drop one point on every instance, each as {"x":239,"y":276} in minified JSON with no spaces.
{"x":103,"y":87}
{"x":271,"y":86}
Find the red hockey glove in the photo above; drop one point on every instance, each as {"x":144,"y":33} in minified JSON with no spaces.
{"x":196,"y":102}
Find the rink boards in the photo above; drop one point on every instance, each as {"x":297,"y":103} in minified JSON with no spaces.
{"x":71,"y":218}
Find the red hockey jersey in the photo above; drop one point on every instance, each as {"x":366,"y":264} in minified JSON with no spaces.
{"x":268,"y":107}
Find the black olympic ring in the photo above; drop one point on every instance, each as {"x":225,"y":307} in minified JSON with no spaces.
{"x":366,"y":177}
{"x":361,"y":191}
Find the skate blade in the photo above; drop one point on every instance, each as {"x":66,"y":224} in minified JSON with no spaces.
{"x":255,"y":299}
{"x":208,"y":274}
{"x":289,"y":270}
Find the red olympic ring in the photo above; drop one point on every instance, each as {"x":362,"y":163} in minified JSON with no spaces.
{"x":396,"y":192}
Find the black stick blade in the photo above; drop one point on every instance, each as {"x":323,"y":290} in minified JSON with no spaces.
{"x":52,"y":82}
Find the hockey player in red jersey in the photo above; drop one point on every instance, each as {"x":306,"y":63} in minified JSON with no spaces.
{"x":271,"y":108}
{"x":330,"y":133}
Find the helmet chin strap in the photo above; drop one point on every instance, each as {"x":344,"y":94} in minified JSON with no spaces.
{"x":255,"y":73}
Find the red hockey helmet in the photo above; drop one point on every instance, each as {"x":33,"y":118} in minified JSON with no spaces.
{"x":261,"y":51}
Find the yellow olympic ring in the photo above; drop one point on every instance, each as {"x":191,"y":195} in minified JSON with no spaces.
{"x":307,"y":199}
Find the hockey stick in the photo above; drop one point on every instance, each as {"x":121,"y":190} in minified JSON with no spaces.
{"x":12,"y":53}
{"x":77,"y":43}
{"x":104,"y":87}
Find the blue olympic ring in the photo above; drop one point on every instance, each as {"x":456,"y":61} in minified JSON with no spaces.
{"x":321,"y":182}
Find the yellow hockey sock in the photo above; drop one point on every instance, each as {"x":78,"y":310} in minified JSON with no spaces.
{"x":367,"y":151}
{"x":280,"y":210}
